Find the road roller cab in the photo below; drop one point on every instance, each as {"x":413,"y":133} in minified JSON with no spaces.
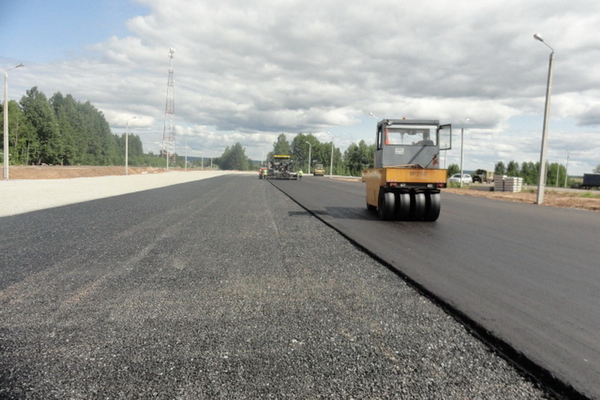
{"x":406,"y":179}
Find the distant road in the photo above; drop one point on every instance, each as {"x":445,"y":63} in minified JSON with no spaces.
{"x":529,"y":274}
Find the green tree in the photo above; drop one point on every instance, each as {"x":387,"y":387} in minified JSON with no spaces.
{"x":135,"y":149}
{"x":512,"y":169}
{"x":529,"y":172}
{"x":323,"y":153}
{"x":15,"y":130}
{"x":338,"y":165}
{"x":234,"y":158}
{"x":40,"y":116}
{"x":556,"y":175}
{"x":101,"y":146}
{"x":453,"y":169}
{"x":299,"y":151}
{"x":499,"y":169}
{"x":597,"y":169}
{"x":67,"y":144}
{"x":281,"y":146}
{"x":358,"y":157}
{"x":61,"y":130}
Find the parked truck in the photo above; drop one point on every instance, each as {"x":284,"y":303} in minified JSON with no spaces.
{"x":406,"y":179}
{"x":590,"y":181}
{"x":483,"y":176}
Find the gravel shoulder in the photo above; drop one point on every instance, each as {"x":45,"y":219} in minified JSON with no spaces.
{"x":24,"y":195}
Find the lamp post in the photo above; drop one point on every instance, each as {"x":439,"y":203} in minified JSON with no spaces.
{"x":373,"y":115}
{"x":6,"y":155}
{"x":309,"y":156}
{"x":331,"y":161}
{"x":127,"y":145}
{"x":567,"y":168}
{"x":542,"y":177}
{"x":462,"y":149}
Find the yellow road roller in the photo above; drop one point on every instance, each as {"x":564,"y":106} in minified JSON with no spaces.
{"x":406,"y":179}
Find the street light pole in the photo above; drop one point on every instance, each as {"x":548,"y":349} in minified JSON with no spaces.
{"x":5,"y":113}
{"x":542,"y":177}
{"x":462,"y":149}
{"x":331,"y":161}
{"x":309,"y":155}
{"x":127,"y":145}
{"x":567,"y":168}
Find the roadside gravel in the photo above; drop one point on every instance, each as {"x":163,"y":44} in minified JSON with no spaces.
{"x":23,"y":195}
{"x":222,"y":289}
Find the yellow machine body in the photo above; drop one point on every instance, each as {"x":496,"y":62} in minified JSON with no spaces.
{"x":398,"y":177}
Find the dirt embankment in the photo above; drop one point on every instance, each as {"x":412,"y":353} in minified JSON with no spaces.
{"x":551,"y":198}
{"x":73,"y":171}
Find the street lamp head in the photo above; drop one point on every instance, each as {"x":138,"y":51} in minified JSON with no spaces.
{"x":15,"y":67}
{"x":127,"y":121}
{"x":538,"y":37}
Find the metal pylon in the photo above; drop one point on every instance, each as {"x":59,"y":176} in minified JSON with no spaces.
{"x":168,"y":147}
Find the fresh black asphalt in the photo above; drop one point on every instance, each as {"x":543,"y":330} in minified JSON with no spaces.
{"x":223,"y":288}
{"x":526,"y":276}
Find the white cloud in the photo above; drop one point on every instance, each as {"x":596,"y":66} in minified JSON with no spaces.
{"x":246,"y":71}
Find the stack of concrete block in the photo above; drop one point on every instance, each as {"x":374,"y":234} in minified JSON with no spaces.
{"x":503,"y":183}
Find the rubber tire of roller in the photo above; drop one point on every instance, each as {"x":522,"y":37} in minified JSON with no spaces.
{"x":432,"y":206}
{"x":402,"y":206}
{"x":417,"y":209}
{"x":386,"y":205}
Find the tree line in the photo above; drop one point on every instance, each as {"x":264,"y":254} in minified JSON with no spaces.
{"x":530,"y":172}
{"x":61,"y":130}
{"x":351,"y":162}
{"x":356,"y":158}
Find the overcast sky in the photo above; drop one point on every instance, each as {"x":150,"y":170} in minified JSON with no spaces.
{"x":246,"y":71}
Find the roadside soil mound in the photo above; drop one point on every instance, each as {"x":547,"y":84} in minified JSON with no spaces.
{"x":73,"y":171}
{"x":551,"y":198}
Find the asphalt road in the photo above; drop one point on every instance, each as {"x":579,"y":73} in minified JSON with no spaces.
{"x":220,"y":288}
{"x":528,"y":274}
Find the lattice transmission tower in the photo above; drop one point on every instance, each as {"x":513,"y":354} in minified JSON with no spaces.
{"x":168,"y":146}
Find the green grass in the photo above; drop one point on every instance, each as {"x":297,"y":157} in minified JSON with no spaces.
{"x":456,"y":185}
{"x":590,"y":195}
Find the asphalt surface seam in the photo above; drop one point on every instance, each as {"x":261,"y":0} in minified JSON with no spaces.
{"x":530,"y":370}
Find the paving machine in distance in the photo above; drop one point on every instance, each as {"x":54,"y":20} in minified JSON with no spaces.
{"x":406,"y":179}
{"x":318,"y":170}
{"x":281,"y":168}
